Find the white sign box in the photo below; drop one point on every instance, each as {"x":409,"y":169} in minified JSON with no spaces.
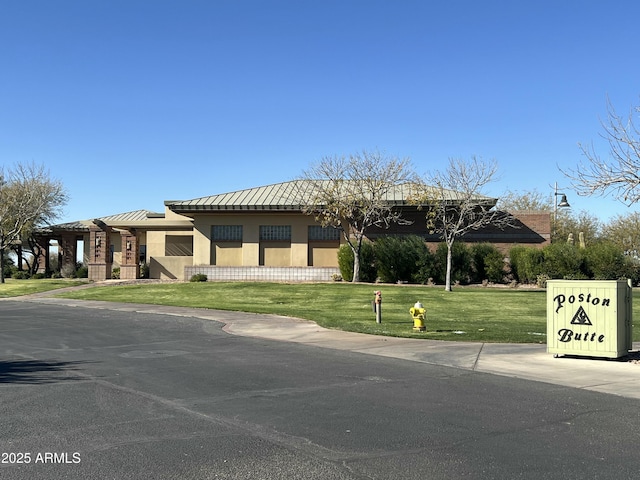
{"x":589,"y":317}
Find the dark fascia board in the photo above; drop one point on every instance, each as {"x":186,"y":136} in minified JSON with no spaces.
{"x":186,"y":209}
{"x":182,"y":207}
{"x":190,"y":209}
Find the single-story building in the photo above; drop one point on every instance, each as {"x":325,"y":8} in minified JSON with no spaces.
{"x":258,"y":233}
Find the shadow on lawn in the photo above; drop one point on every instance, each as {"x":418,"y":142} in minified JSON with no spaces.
{"x":35,"y":372}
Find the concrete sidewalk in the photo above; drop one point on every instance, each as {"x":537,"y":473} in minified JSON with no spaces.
{"x":526,"y":361}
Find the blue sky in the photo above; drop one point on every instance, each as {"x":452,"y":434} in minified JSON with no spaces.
{"x":133,"y":102}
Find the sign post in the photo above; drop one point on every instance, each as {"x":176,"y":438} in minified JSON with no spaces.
{"x":589,"y":317}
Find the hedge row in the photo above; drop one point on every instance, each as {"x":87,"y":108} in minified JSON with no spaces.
{"x":408,"y":259}
{"x":599,"y":261}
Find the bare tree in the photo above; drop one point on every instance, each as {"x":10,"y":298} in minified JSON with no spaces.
{"x":29,"y":252}
{"x":564,"y":221}
{"x":29,"y":198}
{"x":624,"y":232}
{"x":620,"y":175}
{"x":355,"y":193}
{"x":582,"y":224}
{"x":455,"y":204}
{"x":531,"y":200}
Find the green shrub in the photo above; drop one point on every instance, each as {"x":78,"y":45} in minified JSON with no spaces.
{"x":542,"y":279}
{"x":397,"y":258}
{"x":20,"y":275}
{"x":144,"y":270}
{"x":12,"y":271}
{"x":68,"y":271}
{"x":115,"y":273}
{"x":563,"y":260}
{"x":487,"y":263}
{"x":460,"y":263}
{"x":478,"y":253}
{"x":605,"y":261}
{"x":426,"y":268}
{"x":526,"y":263}
{"x":9,"y":267}
{"x":38,"y":276}
{"x":367,"y":266}
{"x":82,"y":272}
{"x":494,"y":266}
{"x":632,"y":270}
{"x":199,"y":277}
{"x":516,"y":262}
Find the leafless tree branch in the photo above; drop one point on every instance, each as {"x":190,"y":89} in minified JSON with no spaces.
{"x":355,"y":193}
{"x":619,"y":174}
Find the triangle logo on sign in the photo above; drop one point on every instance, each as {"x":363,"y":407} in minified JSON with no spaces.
{"x":581,"y":318}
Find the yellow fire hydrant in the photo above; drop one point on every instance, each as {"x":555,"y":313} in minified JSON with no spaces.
{"x":417,"y":312}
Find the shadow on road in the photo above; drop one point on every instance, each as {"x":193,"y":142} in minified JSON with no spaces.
{"x":37,"y":371}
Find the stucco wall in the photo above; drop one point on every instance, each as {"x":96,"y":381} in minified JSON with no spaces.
{"x":295,"y":253}
{"x":157,"y":241}
{"x":169,"y":268}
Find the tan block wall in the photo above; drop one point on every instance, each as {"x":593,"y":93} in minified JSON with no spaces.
{"x":264,"y":274}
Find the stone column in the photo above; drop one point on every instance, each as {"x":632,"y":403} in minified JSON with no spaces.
{"x":99,"y":252}
{"x":68,"y":250}
{"x":130,"y":265}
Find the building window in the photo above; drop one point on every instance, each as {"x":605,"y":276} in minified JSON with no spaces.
{"x":226,"y":233}
{"x":275,"y":233}
{"x":318,"y":233}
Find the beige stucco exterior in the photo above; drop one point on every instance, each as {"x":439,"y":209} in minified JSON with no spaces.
{"x":175,"y":244}
{"x":252,"y":251}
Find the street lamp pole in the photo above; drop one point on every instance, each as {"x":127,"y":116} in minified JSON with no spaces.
{"x":562,"y":204}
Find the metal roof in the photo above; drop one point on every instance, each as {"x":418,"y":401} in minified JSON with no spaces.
{"x":134,"y":216}
{"x":280,"y":196}
{"x":286,"y":196}
{"x":119,"y":218}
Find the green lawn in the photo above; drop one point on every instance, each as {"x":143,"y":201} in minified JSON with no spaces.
{"x":466,"y":314}
{"x":15,"y":288}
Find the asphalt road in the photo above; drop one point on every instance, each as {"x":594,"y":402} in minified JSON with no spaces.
{"x":98,"y":394}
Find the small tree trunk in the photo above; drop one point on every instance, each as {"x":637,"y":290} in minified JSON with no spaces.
{"x":2,"y":264}
{"x":18,"y":251}
{"x":449,"y":263}
{"x":356,"y":266}
{"x":357,"y":249}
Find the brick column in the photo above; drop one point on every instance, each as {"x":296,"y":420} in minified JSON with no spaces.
{"x":129,"y":265}
{"x":68,"y":250}
{"x":99,"y":252}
